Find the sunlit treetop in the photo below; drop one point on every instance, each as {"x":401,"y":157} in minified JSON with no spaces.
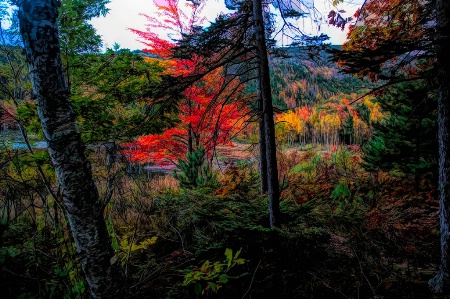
{"x":390,"y":40}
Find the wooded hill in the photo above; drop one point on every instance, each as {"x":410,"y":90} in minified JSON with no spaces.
{"x":303,"y":76}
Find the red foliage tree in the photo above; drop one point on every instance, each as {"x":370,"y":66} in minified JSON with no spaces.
{"x":210,"y":113}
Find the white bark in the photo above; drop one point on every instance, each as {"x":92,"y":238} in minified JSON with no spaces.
{"x":441,"y":283}
{"x":81,"y":199}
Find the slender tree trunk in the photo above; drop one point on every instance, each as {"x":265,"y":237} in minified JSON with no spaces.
{"x":262,"y":142}
{"x":441,"y":283}
{"x":190,"y":147}
{"x":269,"y":125}
{"x":81,"y":199}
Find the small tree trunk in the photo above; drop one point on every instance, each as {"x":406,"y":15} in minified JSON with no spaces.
{"x":190,"y":147}
{"x":441,"y":283}
{"x":81,"y":199}
{"x":269,"y":124}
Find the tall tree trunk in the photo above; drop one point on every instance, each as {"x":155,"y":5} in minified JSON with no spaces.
{"x":81,"y":199}
{"x":269,"y":125}
{"x":262,"y":142}
{"x":441,"y":283}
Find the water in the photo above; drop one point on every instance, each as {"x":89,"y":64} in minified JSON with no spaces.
{"x":13,"y":140}
{"x":22,"y":145}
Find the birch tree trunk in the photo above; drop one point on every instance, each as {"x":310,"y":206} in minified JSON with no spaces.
{"x":269,"y":125}
{"x":441,"y":283}
{"x":38,"y":26}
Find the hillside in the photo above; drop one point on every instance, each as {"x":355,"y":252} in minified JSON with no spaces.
{"x":302,"y":76}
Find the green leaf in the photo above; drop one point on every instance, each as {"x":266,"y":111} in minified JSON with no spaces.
{"x":198,"y":289}
{"x":213,"y":286}
{"x":223,"y":278}
{"x":237,"y":253}
{"x":239,"y":261}
{"x":229,"y":256}
{"x":218,"y":267}
{"x":188,"y":278}
{"x":205,"y":266}
{"x":197,"y":275}
{"x":115,"y":244}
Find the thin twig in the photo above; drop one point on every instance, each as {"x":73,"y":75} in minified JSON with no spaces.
{"x":181,"y":238}
{"x":253,"y":278}
{"x":131,"y":243}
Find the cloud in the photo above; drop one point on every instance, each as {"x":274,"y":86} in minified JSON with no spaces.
{"x":124,"y":14}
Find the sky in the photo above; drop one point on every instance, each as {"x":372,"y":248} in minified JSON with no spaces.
{"x":124,"y":14}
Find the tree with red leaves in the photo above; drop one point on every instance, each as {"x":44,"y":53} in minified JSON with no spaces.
{"x":210,"y":112}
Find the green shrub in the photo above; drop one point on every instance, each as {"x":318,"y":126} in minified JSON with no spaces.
{"x":195,"y":173}
{"x":212,"y":276}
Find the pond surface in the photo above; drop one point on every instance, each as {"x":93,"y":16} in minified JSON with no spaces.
{"x":22,"y":145}
{"x":15,"y":141}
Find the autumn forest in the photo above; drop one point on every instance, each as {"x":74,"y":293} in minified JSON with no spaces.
{"x":240,"y":157}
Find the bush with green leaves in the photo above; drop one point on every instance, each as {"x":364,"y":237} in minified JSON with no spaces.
{"x":212,"y":276}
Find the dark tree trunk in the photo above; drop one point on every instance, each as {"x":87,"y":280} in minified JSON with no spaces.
{"x":81,"y":199}
{"x":190,"y":147}
{"x":441,"y":283}
{"x":269,"y":125}
{"x":262,"y":143}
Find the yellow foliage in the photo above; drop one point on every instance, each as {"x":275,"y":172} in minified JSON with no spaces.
{"x":375,"y":110}
{"x":331,"y":123}
{"x":125,"y":245}
{"x":144,"y":244}
{"x":292,"y":122}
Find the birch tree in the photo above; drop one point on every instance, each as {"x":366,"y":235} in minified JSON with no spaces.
{"x":84,"y":208}
{"x":441,"y":283}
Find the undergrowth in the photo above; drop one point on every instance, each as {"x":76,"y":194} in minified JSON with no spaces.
{"x":344,"y":234}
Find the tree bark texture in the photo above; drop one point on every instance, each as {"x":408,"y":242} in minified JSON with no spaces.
{"x":262,"y":143}
{"x":441,"y":283}
{"x":273,"y":185}
{"x":38,"y":26}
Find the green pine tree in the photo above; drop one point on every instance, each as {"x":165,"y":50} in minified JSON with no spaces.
{"x":347,"y":133}
{"x":195,"y":173}
{"x":406,"y":140}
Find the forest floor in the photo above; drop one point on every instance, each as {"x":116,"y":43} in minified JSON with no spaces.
{"x":344,"y":232}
